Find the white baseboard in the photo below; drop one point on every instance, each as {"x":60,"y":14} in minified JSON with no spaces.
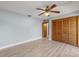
{"x":18,"y":43}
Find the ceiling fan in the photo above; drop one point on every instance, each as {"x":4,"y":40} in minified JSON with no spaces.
{"x":48,"y":10}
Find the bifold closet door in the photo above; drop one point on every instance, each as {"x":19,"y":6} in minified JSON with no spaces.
{"x":65,"y":30}
{"x":54,"y":30}
{"x":73,"y":30}
{"x":59,"y":30}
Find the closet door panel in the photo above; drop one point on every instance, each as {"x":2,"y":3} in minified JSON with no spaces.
{"x":65,"y":30}
{"x":72,"y":30}
{"x":54,"y":30}
{"x":59,"y":30}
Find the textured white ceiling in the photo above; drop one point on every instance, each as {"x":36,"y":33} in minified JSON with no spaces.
{"x":29,"y":7}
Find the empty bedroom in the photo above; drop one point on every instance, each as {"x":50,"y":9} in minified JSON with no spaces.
{"x":39,"y":28}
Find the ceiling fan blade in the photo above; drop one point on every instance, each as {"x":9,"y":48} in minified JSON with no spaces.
{"x":55,"y":11}
{"x":53,"y":6}
{"x":41,"y":13}
{"x":40,"y":9}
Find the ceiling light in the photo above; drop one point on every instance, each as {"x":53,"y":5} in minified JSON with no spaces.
{"x":47,"y":14}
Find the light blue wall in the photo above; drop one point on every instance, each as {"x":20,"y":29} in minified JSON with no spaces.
{"x":17,"y":28}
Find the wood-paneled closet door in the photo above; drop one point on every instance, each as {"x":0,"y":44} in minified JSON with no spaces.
{"x":59,"y":30}
{"x":65,"y":30}
{"x":72,"y":30}
{"x":54,"y":29}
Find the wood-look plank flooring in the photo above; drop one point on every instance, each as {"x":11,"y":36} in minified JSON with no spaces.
{"x":41,"y":48}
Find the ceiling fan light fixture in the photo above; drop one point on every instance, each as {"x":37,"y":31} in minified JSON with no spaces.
{"x":47,"y":13}
{"x":48,"y":10}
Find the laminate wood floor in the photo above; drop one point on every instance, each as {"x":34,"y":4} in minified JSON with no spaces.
{"x":41,"y":48}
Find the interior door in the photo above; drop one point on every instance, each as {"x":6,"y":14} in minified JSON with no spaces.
{"x":44,"y":29}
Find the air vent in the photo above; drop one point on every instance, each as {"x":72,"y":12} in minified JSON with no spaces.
{"x":29,"y":15}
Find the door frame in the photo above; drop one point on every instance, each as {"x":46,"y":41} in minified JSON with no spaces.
{"x":44,"y":22}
